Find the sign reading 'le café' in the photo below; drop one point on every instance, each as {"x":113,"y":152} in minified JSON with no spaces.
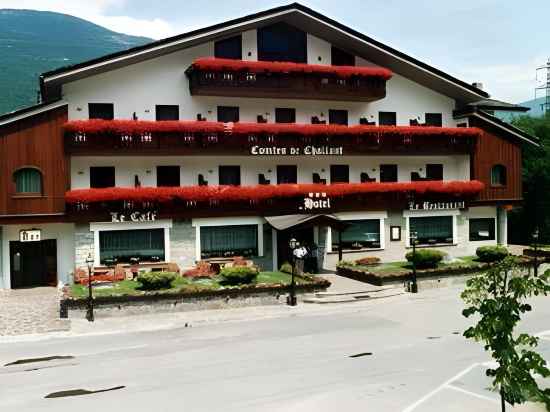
{"x":117,"y":217}
{"x":297,"y":151}
{"x":437,"y":205}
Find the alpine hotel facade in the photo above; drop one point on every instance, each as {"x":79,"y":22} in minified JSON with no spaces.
{"x":228,"y":140}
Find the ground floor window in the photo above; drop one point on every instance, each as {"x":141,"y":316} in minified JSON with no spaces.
{"x":433,"y":229}
{"x":228,"y":241}
{"x":482,"y":229}
{"x":359,"y":235}
{"x":120,"y":246}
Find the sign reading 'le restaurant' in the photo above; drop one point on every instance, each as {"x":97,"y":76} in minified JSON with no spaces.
{"x":297,"y":151}
{"x":437,"y":205}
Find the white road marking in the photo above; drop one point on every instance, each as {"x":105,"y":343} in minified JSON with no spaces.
{"x":440,"y":387}
{"x":123,"y":348}
{"x":476,"y":395}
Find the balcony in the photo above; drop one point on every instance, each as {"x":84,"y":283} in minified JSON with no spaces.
{"x":283,"y":198}
{"x":129,"y":137}
{"x":237,"y":78}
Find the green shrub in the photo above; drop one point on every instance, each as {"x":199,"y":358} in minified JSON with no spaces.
{"x":156,"y":280}
{"x":238,"y":275}
{"x":491,"y":253}
{"x":286,"y":268}
{"x":346,"y":263}
{"x":426,"y":258}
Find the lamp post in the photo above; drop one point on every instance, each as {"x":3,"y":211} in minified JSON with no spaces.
{"x":90,"y":310}
{"x":535,"y":244}
{"x":413,"y":238}
{"x":291,"y":299}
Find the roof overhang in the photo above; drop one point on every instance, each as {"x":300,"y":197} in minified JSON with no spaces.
{"x":30,"y":111}
{"x":294,"y":14}
{"x":509,"y":129}
{"x":302,"y":221}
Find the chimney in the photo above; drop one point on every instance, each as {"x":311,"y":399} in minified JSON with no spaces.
{"x":478,"y":85}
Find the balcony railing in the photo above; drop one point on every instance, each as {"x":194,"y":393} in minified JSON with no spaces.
{"x":225,"y":77}
{"x":261,"y":196}
{"x":188,"y":137}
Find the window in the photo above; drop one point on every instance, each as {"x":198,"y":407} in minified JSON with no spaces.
{"x":287,"y":174}
{"x":28,"y":181}
{"x":482,"y":229}
{"x":122,"y":245}
{"x":338,"y":117}
{"x":229,"y":175}
{"x":167,"y":112}
{"x":339,"y":174}
{"x":227,"y":241}
{"x":228,"y":114}
{"x":339,"y":57}
{"x":168,"y":176}
{"x":434,"y":172}
{"x":434,"y":119}
{"x":498,"y":175}
{"x":388,"y":173}
{"x":101,"y":177}
{"x":360,"y":234}
{"x":103,"y":111}
{"x":282,"y":42}
{"x":285,"y":115}
{"x":230,"y":48}
{"x":432,"y":230}
{"x":387,"y":118}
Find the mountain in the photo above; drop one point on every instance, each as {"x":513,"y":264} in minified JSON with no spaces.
{"x":33,"y":42}
{"x":536,"y":109}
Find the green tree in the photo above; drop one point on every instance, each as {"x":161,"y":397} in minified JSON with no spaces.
{"x":536,"y":183}
{"x":498,"y":299}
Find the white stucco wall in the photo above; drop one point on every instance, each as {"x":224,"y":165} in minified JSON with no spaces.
{"x":139,"y":87}
{"x":454,"y":167}
{"x":63,"y":233}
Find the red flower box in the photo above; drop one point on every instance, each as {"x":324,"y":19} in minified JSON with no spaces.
{"x":225,"y":65}
{"x":265,"y":192}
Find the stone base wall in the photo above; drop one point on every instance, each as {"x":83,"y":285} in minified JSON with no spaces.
{"x":182,"y":243}
{"x":83,"y":244}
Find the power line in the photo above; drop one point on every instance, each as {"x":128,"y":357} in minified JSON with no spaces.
{"x":544,"y":86}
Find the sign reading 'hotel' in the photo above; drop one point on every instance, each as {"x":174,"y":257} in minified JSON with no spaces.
{"x":297,"y":151}
{"x":316,"y":201}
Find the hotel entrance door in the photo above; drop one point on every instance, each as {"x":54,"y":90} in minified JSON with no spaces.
{"x":33,"y":263}
{"x":305,"y":237}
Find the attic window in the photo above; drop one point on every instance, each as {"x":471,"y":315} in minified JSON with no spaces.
{"x":230,"y":48}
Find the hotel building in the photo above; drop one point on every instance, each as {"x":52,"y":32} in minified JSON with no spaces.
{"x":228,"y":140}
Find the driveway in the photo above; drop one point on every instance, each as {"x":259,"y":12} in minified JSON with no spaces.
{"x":36,"y":310}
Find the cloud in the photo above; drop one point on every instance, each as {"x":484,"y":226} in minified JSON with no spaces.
{"x":99,"y":12}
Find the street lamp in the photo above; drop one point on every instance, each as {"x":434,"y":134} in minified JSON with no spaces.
{"x":535,"y":244}
{"x":291,"y":299}
{"x":413,"y":238}
{"x":90,"y":311}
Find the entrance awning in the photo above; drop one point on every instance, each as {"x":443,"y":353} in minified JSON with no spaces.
{"x":288,"y":221}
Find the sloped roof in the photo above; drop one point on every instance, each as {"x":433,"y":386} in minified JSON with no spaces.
{"x":295,"y":14}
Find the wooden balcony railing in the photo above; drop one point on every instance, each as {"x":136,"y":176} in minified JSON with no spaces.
{"x":224,"y":77}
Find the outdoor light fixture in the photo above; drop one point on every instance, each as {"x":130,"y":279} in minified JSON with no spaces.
{"x":291,"y":299}
{"x":413,"y":239}
{"x":90,"y":311}
{"x":535,"y":236}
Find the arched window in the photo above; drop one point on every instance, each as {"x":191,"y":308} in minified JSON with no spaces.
{"x":498,"y":175}
{"x":28,"y":180}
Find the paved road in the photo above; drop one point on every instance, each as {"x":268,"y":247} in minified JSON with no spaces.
{"x":296,"y":363}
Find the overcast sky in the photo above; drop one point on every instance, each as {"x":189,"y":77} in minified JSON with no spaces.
{"x":497,"y":42}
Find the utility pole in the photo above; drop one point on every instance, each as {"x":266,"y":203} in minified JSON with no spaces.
{"x":544,"y":86}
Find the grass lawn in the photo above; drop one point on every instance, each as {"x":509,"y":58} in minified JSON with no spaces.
{"x":130,"y":287}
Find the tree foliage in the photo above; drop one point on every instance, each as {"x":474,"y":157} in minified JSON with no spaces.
{"x":536,"y":183}
{"x":498,"y":298}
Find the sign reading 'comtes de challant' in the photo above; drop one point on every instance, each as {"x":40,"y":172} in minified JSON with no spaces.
{"x":297,"y":151}
{"x":437,"y":205}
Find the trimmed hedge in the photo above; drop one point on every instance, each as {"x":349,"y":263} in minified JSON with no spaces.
{"x":238,"y":275}
{"x":156,"y":280}
{"x":286,"y":268}
{"x":490,"y":254}
{"x":426,"y":258}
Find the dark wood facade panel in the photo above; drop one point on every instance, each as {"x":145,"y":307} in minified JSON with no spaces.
{"x":493,"y":148}
{"x":37,"y":142}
